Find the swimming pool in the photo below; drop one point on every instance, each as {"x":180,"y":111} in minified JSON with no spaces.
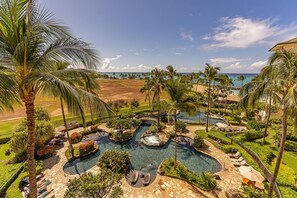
{"x":144,"y":158}
{"x":198,"y":117}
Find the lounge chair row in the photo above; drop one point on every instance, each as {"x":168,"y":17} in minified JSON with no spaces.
{"x":237,"y":159}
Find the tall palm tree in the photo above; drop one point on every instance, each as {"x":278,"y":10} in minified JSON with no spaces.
{"x":156,"y":87}
{"x":171,"y":72}
{"x":31,"y":42}
{"x":147,"y":88}
{"x":284,"y":63}
{"x":178,"y":93}
{"x":241,"y":78}
{"x":210,"y":74}
{"x":225,"y":84}
{"x":261,"y":86}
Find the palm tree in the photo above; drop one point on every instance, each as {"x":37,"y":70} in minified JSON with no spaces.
{"x":284,"y":64}
{"x":241,"y":78}
{"x":31,"y":42}
{"x":171,"y":72}
{"x":210,"y":74}
{"x":156,"y":87}
{"x":147,"y":88}
{"x":178,"y":93}
{"x":262,"y":85}
{"x":225,"y":83}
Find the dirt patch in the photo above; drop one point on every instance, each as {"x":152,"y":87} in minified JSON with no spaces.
{"x":110,"y":90}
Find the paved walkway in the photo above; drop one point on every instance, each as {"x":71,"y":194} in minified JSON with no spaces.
{"x":161,"y":187}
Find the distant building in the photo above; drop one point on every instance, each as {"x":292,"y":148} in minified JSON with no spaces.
{"x":290,"y":45}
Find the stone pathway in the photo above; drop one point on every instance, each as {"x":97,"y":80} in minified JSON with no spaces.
{"x":163,"y":187}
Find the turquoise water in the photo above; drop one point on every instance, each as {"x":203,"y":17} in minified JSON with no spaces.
{"x":248,"y":77}
{"x":199,"y":116}
{"x":146,"y":159}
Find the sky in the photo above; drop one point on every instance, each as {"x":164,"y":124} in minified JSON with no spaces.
{"x":139,"y":35}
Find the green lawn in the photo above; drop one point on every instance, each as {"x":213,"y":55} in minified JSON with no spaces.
{"x":288,"y":168}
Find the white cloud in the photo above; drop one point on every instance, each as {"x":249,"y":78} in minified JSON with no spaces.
{"x":236,"y":65}
{"x":242,"y":32}
{"x":216,"y":61}
{"x":106,"y":63}
{"x":178,"y":53}
{"x":258,"y":64}
{"x":186,"y":36}
{"x":136,"y":54}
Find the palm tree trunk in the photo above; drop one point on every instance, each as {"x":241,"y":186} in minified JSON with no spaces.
{"x":241,"y":83}
{"x":175,"y":134}
{"x":29,"y":104}
{"x":158,"y":111}
{"x":149,"y":100}
{"x":66,"y":128}
{"x":268,"y":118}
{"x":280,"y":153}
{"x":91,"y":112}
{"x":295,"y":124}
{"x":208,"y":104}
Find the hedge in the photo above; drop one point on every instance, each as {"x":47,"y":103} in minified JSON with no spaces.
{"x":4,"y":140}
{"x":253,"y":135}
{"x":217,"y":138}
{"x":290,"y":146}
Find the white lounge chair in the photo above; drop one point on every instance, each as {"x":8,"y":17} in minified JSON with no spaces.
{"x":146,"y":179}
{"x":134,"y":177}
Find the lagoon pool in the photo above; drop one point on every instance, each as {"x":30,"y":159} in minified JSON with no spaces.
{"x":198,"y":117}
{"x":144,"y":158}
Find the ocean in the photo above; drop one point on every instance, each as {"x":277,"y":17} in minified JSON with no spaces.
{"x":233,"y":76}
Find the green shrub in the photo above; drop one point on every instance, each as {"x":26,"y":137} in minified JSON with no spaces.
{"x":90,"y":185}
{"x":116,"y":192}
{"x":198,"y":141}
{"x":43,"y":130}
{"x":256,"y":125}
{"x":41,"y":114}
{"x":253,"y":135}
{"x":290,"y":146}
{"x":204,"y":181}
{"x":276,"y":120}
{"x":292,"y":137}
{"x":254,"y":193}
{"x":228,"y":149}
{"x":181,"y":126}
{"x":4,"y":140}
{"x":211,"y":136}
{"x":134,"y":103}
{"x":127,"y":123}
{"x":114,"y":160}
{"x":201,"y":133}
{"x":269,"y":158}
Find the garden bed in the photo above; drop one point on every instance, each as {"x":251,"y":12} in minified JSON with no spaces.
{"x":78,"y":155}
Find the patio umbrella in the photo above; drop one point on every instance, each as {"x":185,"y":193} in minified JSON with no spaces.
{"x":250,"y":173}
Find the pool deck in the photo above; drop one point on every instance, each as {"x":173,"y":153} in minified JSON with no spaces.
{"x":162,"y":186}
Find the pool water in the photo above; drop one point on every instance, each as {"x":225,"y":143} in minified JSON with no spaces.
{"x":144,"y":158}
{"x":198,"y":117}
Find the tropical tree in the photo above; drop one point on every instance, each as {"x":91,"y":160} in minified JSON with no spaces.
{"x":180,"y":101}
{"x":31,"y":43}
{"x":284,"y":64}
{"x":157,"y":86}
{"x":241,"y":78}
{"x":261,"y":86}
{"x":210,"y":74}
{"x":225,"y":84}
{"x":147,"y":88}
{"x":170,"y":72}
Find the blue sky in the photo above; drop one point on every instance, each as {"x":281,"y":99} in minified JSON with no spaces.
{"x":138,"y":35}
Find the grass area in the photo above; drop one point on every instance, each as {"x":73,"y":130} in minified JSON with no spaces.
{"x":6,"y":170}
{"x":288,"y":168}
